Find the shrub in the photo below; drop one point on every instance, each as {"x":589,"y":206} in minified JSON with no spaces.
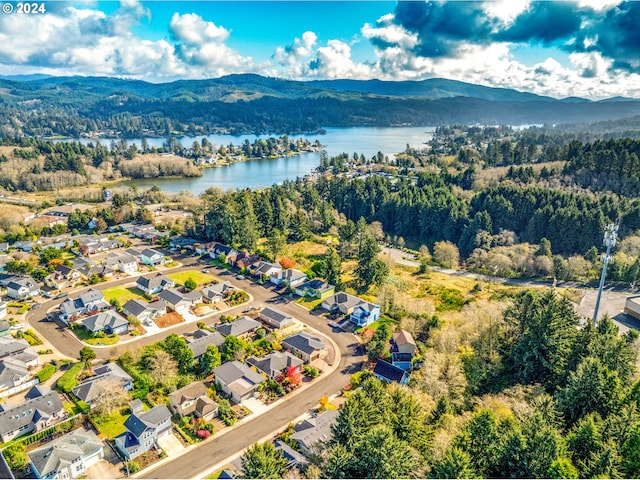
{"x":203,"y":434}
{"x":45,"y":374}
{"x":133,"y":466}
{"x":70,"y":378}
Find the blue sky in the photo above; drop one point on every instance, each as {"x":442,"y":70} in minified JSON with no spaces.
{"x":585,"y":48}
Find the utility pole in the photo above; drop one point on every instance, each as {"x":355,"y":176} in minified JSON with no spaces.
{"x":609,"y":241}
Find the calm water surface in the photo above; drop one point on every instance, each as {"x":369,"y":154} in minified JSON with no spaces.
{"x":266,"y":172}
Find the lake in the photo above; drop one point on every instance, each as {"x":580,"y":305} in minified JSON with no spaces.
{"x":266,"y":172}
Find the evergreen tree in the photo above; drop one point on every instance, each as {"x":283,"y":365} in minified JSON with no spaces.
{"x":263,"y":461}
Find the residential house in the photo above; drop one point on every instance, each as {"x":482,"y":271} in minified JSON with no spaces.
{"x":198,"y":343}
{"x":88,"y":268}
{"x":240,"y":327}
{"x":18,"y":348}
{"x":143,"y":311}
{"x":314,"y":430}
{"x":341,"y":302}
{"x":203,"y":248}
{"x":5,"y":328}
{"x":223,"y":251}
{"x":90,"y":301}
{"x":152,"y":257}
{"x":193,"y":400}
{"x":275,"y":318}
{"x":24,"y":245}
{"x":238,"y":380}
{"x":276,"y":363}
{"x":108,"y":322}
{"x":294,"y":458}
{"x":67,"y":456}
{"x":245,"y":259}
{"x":217,"y":292}
{"x":106,"y":377}
{"x":315,"y":289}
{"x":92,"y":244}
{"x":21,"y":288}
{"x":179,"y":242}
{"x":121,"y":262}
{"x":265,"y":269}
{"x":403,"y":347}
{"x":389,"y":373}
{"x":62,"y":277}
{"x":15,"y":376}
{"x":144,"y":429}
{"x":39,"y":411}
{"x":288,"y":278}
{"x":306,"y":346}
{"x":365,"y":313}
{"x":155,"y":283}
{"x":180,"y":302}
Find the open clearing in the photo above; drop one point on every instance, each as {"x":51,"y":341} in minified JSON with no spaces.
{"x":199,"y":277}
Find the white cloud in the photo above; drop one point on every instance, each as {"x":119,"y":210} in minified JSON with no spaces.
{"x":505,"y":11}
{"x":191,"y":28}
{"x":334,"y":61}
{"x":301,"y":49}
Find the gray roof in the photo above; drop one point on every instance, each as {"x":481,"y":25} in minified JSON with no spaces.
{"x":105,"y":376}
{"x":12,"y":371}
{"x":275,"y":363}
{"x":37,"y":391}
{"x":150,"y":252}
{"x":102,"y":320}
{"x":238,"y":327}
{"x":276,"y":316}
{"x":63,"y":451}
{"x":172,"y":297}
{"x":316,"y":284}
{"x":114,"y":258}
{"x":199,"y":345}
{"x":231,"y":371}
{"x":12,"y":346}
{"x":18,"y":282}
{"x":292,"y":457}
{"x":17,"y":416}
{"x":304,"y":342}
{"x":342,"y":298}
{"x":291,"y":275}
{"x":154,"y":281}
{"x":262,"y":267}
{"x":388,"y":371}
{"x":91,"y":296}
{"x":136,"y":307}
{"x":138,"y":423}
{"x":217,"y":289}
{"x":4,"y":325}
{"x":315,"y":429}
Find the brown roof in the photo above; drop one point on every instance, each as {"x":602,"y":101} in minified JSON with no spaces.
{"x":402,"y":337}
{"x":190,"y":392}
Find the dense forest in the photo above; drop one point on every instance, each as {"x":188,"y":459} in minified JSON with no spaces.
{"x":252,"y":104}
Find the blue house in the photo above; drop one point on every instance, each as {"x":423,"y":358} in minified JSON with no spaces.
{"x":390,"y":373}
{"x":365,"y":313}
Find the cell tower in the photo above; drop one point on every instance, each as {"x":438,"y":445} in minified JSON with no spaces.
{"x":609,"y":241}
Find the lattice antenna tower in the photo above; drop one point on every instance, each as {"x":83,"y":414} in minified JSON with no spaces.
{"x":609,"y":241}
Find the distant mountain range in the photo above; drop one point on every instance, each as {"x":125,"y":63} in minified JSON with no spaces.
{"x":252,"y":103}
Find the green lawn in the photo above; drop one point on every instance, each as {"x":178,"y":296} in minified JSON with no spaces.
{"x":309,"y":302}
{"x":199,"y":277}
{"x":86,"y":336}
{"x":123,"y":294}
{"x":112,"y":425}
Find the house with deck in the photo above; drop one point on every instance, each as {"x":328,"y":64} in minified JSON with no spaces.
{"x":389,"y":373}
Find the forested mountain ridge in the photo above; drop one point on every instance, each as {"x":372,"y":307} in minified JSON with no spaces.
{"x":76,"y":106}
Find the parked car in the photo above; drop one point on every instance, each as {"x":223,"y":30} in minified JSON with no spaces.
{"x":240,"y":277}
{"x":35,"y":305}
{"x":61,"y":295}
{"x":46,"y":295}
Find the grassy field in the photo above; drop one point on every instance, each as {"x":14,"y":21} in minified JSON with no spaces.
{"x":123,"y":294}
{"x":86,"y":336}
{"x":309,"y":302}
{"x":199,"y":277}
